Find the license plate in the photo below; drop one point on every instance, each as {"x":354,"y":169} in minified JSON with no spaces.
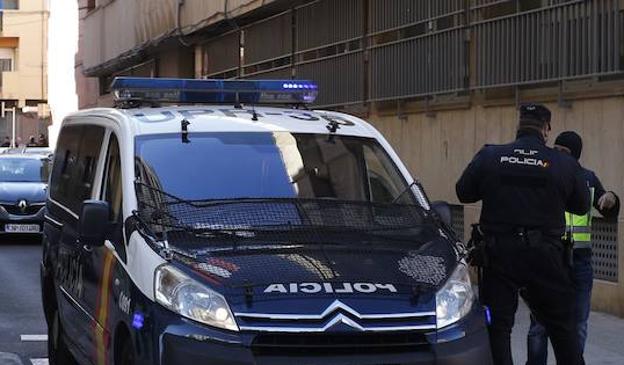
{"x":21,"y":228}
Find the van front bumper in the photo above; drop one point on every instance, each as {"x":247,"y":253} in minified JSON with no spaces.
{"x":466,"y":342}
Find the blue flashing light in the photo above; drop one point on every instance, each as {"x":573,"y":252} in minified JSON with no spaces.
{"x":488,"y":315}
{"x":138,"y":320}
{"x":158,"y":90}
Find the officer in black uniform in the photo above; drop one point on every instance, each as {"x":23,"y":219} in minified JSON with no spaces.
{"x":525,"y":188}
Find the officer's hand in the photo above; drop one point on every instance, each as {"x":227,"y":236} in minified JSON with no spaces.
{"x":607,"y":201}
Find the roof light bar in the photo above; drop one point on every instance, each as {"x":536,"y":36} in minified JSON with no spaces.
{"x":196,"y":91}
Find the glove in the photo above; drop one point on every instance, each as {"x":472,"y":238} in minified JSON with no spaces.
{"x":607,"y":201}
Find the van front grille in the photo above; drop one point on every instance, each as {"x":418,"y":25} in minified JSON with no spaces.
{"x":271,"y":344}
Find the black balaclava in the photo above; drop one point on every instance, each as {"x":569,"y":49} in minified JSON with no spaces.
{"x":572,"y":141}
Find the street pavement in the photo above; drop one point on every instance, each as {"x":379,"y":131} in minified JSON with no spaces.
{"x":23,"y":328}
{"x":605,"y":343}
{"x":22,"y":325}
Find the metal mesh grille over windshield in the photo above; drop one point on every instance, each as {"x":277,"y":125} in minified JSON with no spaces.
{"x":248,"y":218}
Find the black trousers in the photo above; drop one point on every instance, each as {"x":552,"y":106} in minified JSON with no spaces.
{"x":533,"y":264}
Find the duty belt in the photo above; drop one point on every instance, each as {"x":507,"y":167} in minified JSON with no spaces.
{"x":519,"y":230}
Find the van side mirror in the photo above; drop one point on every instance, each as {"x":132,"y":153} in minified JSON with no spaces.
{"x":443,"y":210}
{"x":94,"y":224}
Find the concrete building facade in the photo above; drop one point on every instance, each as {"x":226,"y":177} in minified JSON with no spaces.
{"x":23,"y":67}
{"x":439,"y":78}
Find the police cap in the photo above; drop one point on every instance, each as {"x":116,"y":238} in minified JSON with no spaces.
{"x":535,"y":115}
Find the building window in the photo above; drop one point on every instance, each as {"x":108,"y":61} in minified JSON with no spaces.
{"x":9,"y":4}
{"x":6,"y":64}
{"x":7,"y":59}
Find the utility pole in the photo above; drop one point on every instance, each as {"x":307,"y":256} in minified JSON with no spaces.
{"x":13,"y":128}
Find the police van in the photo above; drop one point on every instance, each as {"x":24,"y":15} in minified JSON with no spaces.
{"x":223,"y":222}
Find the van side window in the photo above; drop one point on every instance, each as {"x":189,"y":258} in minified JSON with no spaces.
{"x":65,"y":161}
{"x":90,"y":147}
{"x":74,"y":165}
{"x":113,"y":192}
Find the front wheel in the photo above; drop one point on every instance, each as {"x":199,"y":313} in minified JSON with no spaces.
{"x":58,"y":353}
{"x":126,"y":355}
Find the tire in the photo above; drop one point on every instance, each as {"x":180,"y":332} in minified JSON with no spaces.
{"x":126,"y":354}
{"x":58,"y":353}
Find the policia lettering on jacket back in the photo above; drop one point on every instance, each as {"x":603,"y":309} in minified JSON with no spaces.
{"x":235,"y":233}
{"x":525,"y":188}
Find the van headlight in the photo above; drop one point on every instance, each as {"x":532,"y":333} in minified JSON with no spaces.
{"x":455,"y":299}
{"x":189,"y":298}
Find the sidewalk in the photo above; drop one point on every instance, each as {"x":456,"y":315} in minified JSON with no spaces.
{"x":605,"y":343}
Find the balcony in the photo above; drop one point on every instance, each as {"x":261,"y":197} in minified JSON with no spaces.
{"x":19,"y":86}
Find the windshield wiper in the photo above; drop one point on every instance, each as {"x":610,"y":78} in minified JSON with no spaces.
{"x":220,"y":233}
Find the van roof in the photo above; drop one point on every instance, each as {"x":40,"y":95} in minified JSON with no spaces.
{"x":226,"y":118}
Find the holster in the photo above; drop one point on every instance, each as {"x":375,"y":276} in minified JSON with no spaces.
{"x":568,"y":250}
{"x":477,"y":248}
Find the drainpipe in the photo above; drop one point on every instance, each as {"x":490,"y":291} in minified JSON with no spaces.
{"x":179,"y":24}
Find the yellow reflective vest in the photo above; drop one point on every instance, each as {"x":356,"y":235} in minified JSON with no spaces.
{"x":578,"y":227}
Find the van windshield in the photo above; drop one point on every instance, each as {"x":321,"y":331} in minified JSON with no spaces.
{"x":270,"y":165}
{"x":24,"y":170}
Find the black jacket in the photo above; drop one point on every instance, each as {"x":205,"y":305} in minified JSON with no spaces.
{"x":599,"y":191}
{"x":524,"y":184}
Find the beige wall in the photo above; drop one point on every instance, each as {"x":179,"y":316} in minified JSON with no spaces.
{"x":30,"y":25}
{"x":116,"y":27}
{"x":437,"y":149}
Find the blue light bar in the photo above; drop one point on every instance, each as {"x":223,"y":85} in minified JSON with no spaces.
{"x":196,"y":91}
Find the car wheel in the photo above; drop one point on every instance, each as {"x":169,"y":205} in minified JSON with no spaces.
{"x":58,"y":353}
{"x":126,"y":355}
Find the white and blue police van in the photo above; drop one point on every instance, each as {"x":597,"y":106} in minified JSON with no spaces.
{"x":224,"y":223}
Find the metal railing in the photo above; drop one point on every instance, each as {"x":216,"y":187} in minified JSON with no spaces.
{"x":387,"y":15}
{"x":566,"y":41}
{"x":436,"y":65}
{"x":260,"y":55}
{"x":380,"y":50}
{"x":221,"y":56}
{"x":344,"y":85}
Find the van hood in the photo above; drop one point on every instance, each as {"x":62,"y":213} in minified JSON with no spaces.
{"x":360,"y":281}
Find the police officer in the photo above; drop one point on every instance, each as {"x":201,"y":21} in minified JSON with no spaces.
{"x":525,"y":188}
{"x":578,"y":232}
